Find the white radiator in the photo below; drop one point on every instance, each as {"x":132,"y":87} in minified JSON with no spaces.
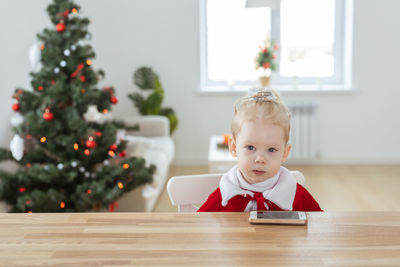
{"x":303,"y":136}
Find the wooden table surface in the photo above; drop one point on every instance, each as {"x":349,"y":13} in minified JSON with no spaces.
{"x":198,"y":239}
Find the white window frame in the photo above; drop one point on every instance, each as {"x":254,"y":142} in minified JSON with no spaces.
{"x":341,"y":81}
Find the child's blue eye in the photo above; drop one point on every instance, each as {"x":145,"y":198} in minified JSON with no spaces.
{"x":251,"y":148}
{"x":271,"y":149}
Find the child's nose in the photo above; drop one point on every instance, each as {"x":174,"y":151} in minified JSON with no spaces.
{"x":260,"y":159}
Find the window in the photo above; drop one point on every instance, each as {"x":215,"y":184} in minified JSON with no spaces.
{"x":313,"y":36}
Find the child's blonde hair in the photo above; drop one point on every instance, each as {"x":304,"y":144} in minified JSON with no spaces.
{"x":265,"y":104}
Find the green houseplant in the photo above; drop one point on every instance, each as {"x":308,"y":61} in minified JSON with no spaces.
{"x":147,"y":80}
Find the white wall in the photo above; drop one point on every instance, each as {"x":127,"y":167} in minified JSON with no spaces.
{"x":362,"y":126}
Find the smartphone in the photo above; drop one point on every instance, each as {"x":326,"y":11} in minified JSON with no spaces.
{"x":278,"y":217}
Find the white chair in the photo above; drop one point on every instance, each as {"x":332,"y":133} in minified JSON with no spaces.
{"x":188,"y":191}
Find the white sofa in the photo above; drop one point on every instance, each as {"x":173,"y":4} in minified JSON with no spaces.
{"x":154,"y":144}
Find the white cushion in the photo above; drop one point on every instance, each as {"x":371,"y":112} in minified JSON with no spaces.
{"x":164,"y":144}
{"x":159,"y":159}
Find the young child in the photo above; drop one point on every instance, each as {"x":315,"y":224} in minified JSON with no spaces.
{"x":260,"y":134}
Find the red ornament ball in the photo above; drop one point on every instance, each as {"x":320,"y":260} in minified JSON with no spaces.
{"x":40,"y":88}
{"x":114,"y":100}
{"x":90,"y":143}
{"x":122,"y":154}
{"x":266,"y":65}
{"x":82,"y":78}
{"x":60,"y":27}
{"x":16,"y":107}
{"x":48,"y":116}
{"x":113,"y":147}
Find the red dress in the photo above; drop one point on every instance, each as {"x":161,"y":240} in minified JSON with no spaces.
{"x":303,"y":201}
{"x":280,"y":192}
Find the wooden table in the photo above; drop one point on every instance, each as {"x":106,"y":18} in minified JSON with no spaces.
{"x":193,"y":239}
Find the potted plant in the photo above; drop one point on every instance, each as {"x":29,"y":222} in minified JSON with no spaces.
{"x":266,"y":61}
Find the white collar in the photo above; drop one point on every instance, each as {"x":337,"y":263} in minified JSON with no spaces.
{"x":279,"y":189}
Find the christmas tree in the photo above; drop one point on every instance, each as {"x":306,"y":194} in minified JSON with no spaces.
{"x":68,"y":155}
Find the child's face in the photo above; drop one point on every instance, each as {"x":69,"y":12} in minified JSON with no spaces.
{"x":261,"y":149}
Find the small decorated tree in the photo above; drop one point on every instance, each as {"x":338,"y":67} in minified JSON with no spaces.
{"x":67,"y":152}
{"x":265,"y":61}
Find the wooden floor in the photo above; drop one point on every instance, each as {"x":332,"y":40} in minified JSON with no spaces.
{"x":335,"y":187}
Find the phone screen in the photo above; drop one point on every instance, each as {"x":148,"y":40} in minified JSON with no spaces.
{"x":278,"y":215}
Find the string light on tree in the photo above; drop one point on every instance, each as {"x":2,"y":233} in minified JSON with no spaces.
{"x":120,"y":185}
